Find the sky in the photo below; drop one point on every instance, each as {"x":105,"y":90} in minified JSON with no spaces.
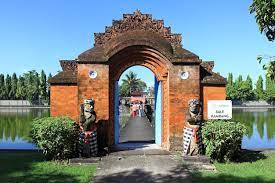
{"x":36,"y":34}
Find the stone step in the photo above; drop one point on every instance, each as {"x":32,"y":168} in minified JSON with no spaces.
{"x":198,"y":163}
{"x":140,"y":152}
{"x":92,"y":160}
{"x":201,"y":167}
{"x":203,"y":159}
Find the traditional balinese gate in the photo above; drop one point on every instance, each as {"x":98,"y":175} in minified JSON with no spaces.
{"x":137,"y":39}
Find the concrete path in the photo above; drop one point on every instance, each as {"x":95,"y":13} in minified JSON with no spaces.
{"x":137,"y":129}
{"x":141,"y":169}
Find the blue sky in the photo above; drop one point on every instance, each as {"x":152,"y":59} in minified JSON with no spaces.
{"x":36,"y":34}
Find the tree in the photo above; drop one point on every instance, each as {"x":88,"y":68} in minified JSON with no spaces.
{"x":230,"y":89}
{"x":32,"y":86}
{"x":131,"y":84}
{"x":2,"y":87}
{"x":13,"y":87}
{"x":245,"y":90}
{"x":21,"y":89}
{"x":239,"y":81}
{"x":49,"y":88}
{"x":249,"y":82}
{"x":43,"y":85}
{"x":265,"y":16}
{"x":269,"y":89}
{"x":8,"y":87}
{"x":259,"y":91}
{"x":269,"y":66}
{"x":230,"y":79}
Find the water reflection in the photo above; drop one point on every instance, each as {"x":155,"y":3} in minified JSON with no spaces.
{"x":15,"y":127}
{"x":260,"y":126}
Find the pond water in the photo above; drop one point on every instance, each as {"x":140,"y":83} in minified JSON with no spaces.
{"x":15,"y":127}
{"x":260,"y":127}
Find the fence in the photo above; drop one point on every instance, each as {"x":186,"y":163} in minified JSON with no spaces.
{"x":21,"y":103}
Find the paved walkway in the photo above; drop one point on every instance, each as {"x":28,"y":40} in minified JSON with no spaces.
{"x":139,"y":162}
{"x":141,"y":169}
{"x":137,"y":129}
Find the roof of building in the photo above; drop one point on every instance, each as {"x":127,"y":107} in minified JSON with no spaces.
{"x":68,"y":75}
{"x":209,"y":77}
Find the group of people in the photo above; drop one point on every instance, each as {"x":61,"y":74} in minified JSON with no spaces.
{"x":141,"y":109}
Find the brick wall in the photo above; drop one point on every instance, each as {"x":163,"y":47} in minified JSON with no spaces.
{"x":97,"y":88}
{"x":180,"y":92}
{"x":212,"y":93}
{"x":64,"y":101}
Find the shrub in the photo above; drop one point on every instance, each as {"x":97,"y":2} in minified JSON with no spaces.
{"x":56,"y":136}
{"x":222,"y":139}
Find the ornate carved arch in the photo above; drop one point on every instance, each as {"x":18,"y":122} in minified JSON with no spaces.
{"x":136,"y":21}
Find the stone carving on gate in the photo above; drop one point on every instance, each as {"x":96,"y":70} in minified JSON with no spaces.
{"x":137,"y":21}
{"x":88,"y":130}
{"x":192,"y":141}
{"x":194,"y":116}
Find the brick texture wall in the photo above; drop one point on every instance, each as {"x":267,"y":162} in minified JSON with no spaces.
{"x":97,"y":88}
{"x":64,"y":101}
{"x":212,"y":93}
{"x":180,"y":92}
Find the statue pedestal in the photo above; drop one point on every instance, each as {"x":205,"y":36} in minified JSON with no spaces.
{"x":88,"y":144}
{"x":192,"y":141}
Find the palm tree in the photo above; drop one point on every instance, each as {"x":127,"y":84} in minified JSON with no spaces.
{"x":131,"y":84}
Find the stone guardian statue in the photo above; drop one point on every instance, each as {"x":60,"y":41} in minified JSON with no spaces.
{"x":191,"y":134}
{"x":88,"y":134}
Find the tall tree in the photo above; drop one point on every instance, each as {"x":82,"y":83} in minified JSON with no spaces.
{"x":249,"y":82}
{"x":43,"y":85}
{"x":21,"y":89}
{"x":269,"y":89}
{"x":32,"y":86}
{"x":2,"y":87}
{"x":131,"y":84}
{"x":49,"y":88}
{"x":245,"y":90}
{"x":265,"y":16}
{"x":230,"y":89}
{"x":8,"y":87}
{"x":230,"y":79}
{"x":239,"y":81}
{"x":259,"y":91}
{"x":13,"y":86}
{"x":269,"y":65}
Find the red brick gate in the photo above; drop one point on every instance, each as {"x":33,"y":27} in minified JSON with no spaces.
{"x":137,"y":39}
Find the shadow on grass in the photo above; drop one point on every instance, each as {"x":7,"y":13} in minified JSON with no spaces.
{"x":224,"y":178}
{"x":250,"y":156}
{"x":43,"y":178}
{"x":23,"y":167}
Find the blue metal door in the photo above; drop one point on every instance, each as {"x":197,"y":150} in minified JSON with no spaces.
{"x":116,"y":120}
{"x":158,"y":111}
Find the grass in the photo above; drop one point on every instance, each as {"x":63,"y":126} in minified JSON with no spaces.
{"x":252,"y":168}
{"x":25,"y":167}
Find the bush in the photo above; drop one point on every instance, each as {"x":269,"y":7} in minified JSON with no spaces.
{"x":56,"y":136}
{"x":222,"y":139}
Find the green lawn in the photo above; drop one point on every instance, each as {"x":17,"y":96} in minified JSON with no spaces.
{"x":252,"y":168}
{"x":30,"y":167}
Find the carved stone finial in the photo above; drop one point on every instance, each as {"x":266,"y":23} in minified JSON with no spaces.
{"x":137,"y":12}
{"x":137,"y":21}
